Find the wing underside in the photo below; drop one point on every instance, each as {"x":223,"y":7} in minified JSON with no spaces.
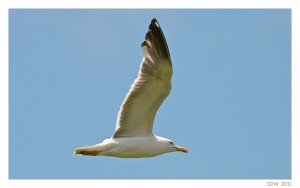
{"x":149,"y":89}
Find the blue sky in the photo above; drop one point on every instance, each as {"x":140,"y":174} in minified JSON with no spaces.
{"x":69,"y":71}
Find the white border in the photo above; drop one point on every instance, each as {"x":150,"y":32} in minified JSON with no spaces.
{"x":5,"y":5}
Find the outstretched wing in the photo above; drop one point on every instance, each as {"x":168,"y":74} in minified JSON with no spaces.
{"x":149,"y":89}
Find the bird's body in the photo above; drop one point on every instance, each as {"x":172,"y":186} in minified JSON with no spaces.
{"x":131,"y":147}
{"x":133,"y":137}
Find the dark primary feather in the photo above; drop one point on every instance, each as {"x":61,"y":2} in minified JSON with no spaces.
{"x":156,"y":38}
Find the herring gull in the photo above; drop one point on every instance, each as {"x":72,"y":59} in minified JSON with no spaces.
{"x":133,"y":137}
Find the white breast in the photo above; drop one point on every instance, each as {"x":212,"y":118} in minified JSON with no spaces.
{"x":137,"y":147}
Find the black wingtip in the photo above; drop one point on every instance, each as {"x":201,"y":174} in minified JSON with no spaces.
{"x":154,"y":24}
{"x":154,"y":20}
{"x":156,"y":39}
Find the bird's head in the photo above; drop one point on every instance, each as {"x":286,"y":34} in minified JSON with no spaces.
{"x":173,"y":147}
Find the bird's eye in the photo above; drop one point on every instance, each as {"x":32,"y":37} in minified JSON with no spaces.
{"x":171,"y":143}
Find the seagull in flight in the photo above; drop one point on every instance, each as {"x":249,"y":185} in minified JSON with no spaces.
{"x":133,"y":137}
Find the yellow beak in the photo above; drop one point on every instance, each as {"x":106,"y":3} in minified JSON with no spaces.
{"x":182,"y":149}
